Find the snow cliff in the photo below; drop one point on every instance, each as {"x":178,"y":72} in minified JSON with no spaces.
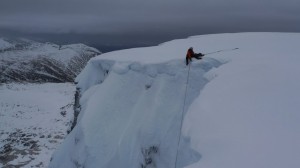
{"x":241,"y":109}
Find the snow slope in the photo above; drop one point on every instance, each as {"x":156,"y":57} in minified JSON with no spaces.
{"x":34,"y":120}
{"x":5,"y":45}
{"x":24,"y":60}
{"x":241,"y":109}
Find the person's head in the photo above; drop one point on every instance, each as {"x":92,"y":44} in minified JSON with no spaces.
{"x":191,"y":48}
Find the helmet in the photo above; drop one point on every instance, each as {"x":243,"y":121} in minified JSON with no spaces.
{"x":190,"y":48}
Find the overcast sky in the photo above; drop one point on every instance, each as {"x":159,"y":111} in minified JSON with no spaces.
{"x":129,"y":23}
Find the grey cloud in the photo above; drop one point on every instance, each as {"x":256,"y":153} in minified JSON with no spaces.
{"x":123,"y":19}
{"x":92,"y":16}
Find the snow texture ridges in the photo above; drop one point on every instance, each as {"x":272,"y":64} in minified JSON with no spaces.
{"x":130,"y":114}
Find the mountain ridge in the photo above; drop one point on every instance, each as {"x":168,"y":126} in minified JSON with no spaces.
{"x":23,"y":60}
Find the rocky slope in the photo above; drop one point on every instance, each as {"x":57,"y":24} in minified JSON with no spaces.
{"x":34,"y":120}
{"x":24,"y":60}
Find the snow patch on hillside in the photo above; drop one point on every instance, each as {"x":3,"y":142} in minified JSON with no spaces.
{"x":34,"y":120}
{"x":24,"y":60}
{"x":4,"y":44}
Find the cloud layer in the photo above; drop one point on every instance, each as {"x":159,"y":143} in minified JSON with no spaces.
{"x":148,"y":18}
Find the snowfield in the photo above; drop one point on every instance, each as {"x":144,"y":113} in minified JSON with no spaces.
{"x":34,"y":120}
{"x":241,"y":109}
{"x":5,"y":45}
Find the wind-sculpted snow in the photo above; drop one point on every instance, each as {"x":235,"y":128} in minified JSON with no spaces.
{"x":29,"y":61}
{"x":242,"y":106}
{"x":129,"y":107}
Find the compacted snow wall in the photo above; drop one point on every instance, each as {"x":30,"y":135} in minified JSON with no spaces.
{"x":244,"y":113}
{"x":131,"y":113}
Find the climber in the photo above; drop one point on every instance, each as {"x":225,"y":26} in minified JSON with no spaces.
{"x":190,"y":54}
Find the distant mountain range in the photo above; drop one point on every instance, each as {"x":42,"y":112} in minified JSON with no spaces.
{"x":24,"y":60}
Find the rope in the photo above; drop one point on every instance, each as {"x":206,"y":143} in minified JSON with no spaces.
{"x":221,"y":51}
{"x":186,"y":88}
{"x":179,"y":137}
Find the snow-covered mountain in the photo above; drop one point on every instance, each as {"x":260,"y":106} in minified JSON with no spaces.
{"x":239,"y":108}
{"x":24,"y":60}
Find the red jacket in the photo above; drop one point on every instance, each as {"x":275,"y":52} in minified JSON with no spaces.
{"x":190,"y":53}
